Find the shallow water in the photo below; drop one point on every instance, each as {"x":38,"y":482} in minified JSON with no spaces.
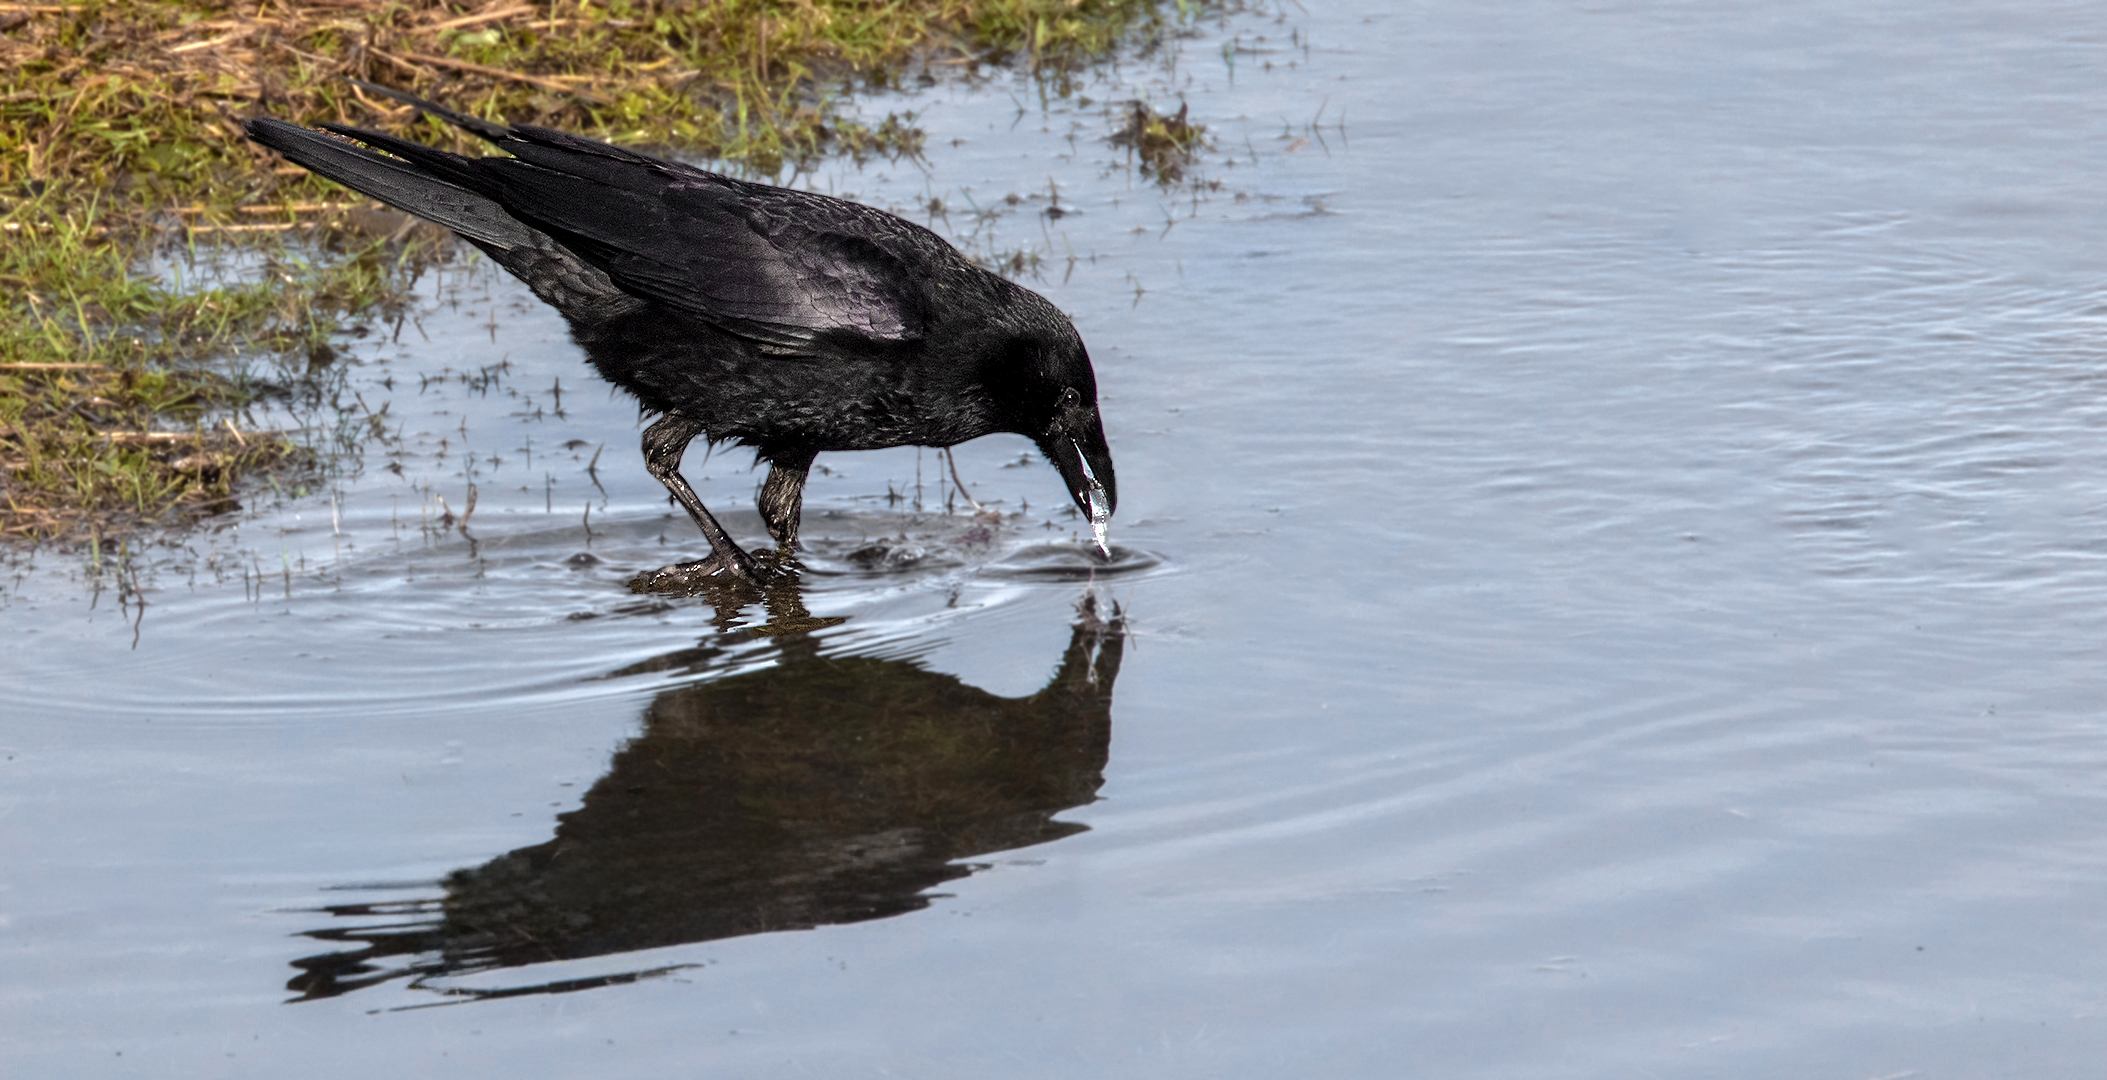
{"x":1608,"y":580}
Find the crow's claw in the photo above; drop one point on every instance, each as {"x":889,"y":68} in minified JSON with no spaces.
{"x":713,"y":574}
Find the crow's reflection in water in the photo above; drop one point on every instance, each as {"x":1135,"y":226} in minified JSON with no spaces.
{"x":822,"y":789}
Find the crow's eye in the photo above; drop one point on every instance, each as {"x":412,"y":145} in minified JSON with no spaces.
{"x":1069,"y":398}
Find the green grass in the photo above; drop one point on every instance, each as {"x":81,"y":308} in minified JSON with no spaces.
{"x":120,"y":141}
{"x":120,"y":387}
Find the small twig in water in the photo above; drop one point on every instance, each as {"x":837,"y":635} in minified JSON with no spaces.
{"x":592,"y":469}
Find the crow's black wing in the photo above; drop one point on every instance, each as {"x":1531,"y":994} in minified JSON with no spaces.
{"x":780,"y":266}
{"x":796,"y":265}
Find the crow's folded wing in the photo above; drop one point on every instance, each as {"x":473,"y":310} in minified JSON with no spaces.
{"x":779,"y":266}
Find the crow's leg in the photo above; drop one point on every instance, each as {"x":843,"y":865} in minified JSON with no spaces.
{"x":664,"y":443}
{"x":782,"y":500}
{"x":951,"y":458}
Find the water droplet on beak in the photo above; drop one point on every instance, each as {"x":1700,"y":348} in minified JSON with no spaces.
{"x":1100,"y":506}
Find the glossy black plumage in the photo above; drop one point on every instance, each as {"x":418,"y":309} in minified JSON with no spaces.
{"x":784,"y":320}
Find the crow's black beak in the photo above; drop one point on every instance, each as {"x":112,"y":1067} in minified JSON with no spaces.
{"x":1076,"y":446}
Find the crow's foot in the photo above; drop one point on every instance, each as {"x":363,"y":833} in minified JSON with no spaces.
{"x":714,"y":574}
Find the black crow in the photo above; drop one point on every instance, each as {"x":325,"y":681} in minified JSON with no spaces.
{"x":783,"y":320}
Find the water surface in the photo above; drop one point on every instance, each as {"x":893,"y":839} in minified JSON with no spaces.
{"x":1611,"y":583}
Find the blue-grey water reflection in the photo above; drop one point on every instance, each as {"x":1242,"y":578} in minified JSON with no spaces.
{"x":819,"y":788}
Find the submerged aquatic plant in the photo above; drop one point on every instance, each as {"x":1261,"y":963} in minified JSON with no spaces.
{"x":1164,"y":144}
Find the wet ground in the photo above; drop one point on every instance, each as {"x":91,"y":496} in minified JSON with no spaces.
{"x":1610,"y":581}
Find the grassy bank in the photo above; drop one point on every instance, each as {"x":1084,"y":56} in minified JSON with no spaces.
{"x":121,"y":157}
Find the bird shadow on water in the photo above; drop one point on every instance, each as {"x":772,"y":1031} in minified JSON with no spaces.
{"x":819,"y":789}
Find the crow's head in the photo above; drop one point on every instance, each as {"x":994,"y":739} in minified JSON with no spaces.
{"x":1048,"y":393}
{"x":1074,"y":440}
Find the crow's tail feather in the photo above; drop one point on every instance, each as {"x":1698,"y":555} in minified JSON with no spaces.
{"x":402,"y":184}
